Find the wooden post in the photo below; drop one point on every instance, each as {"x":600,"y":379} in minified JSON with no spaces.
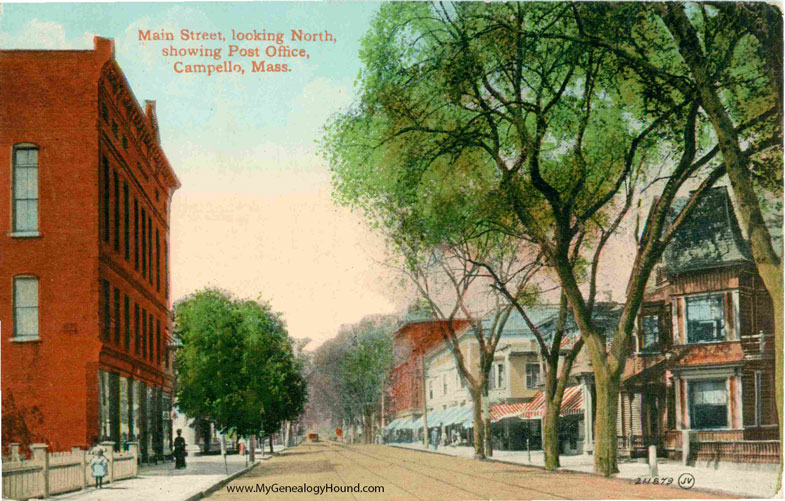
{"x":424,"y":405}
{"x":79,"y":453}
{"x":41,"y":456}
{"x":653,"y":461}
{"x":13,"y":450}
{"x":108,"y":448}
{"x":133,"y":448}
{"x":685,"y":447}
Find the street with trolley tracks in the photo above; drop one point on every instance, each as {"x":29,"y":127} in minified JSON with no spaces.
{"x":405,"y":474}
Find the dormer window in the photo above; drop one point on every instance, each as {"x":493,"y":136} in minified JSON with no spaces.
{"x":706,"y":318}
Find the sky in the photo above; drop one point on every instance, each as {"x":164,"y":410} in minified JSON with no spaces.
{"x":254,"y":214}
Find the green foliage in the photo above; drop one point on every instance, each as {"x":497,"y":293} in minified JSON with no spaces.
{"x":236,"y":365}
{"x":350,"y":371}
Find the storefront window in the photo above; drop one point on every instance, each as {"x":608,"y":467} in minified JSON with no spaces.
{"x":167,"y":416}
{"x":706,"y":319}
{"x":708,"y":404}
{"x":137,"y":409}
{"x":125,"y":418}
{"x":104,"y":407}
{"x":149,"y":410}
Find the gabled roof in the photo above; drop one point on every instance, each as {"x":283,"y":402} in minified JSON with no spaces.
{"x":709,"y":238}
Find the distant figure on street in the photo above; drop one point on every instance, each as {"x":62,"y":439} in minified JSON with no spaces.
{"x":99,"y":467}
{"x":435,"y":438}
{"x":179,"y":451}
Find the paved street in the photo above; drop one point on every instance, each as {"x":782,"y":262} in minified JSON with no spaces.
{"x":408,"y":474}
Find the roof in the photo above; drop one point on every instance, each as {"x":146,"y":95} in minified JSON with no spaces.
{"x":516,"y":326}
{"x":710,"y":237}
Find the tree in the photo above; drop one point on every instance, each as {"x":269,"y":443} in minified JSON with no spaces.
{"x":365,"y":370}
{"x":729,"y":56}
{"x":236,"y":366}
{"x":766,"y":26}
{"x":561,"y":132}
{"x":349,"y":373}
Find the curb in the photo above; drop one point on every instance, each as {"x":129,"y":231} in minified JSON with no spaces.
{"x":221,"y":483}
{"x":571,"y":471}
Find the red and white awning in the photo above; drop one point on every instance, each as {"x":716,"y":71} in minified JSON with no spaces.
{"x":572,"y":401}
{"x":572,"y":405}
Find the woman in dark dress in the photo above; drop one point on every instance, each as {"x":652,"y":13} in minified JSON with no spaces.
{"x":179,"y":450}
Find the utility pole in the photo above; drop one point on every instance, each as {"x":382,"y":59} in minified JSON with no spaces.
{"x":424,"y":405}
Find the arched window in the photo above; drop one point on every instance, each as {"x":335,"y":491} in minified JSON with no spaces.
{"x":25,"y":189}
{"x":25,"y":307}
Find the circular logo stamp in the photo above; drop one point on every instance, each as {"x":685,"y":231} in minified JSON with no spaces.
{"x":686,"y":481}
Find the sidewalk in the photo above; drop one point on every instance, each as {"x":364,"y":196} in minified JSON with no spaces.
{"x":164,"y":482}
{"x":747,"y":482}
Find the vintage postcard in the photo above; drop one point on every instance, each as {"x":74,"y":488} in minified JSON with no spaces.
{"x":391,"y":250}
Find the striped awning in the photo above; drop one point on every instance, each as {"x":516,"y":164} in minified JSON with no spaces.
{"x":406,"y":424}
{"x":572,"y":405}
{"x":501,"y":411}
{"x":535,"y":407}
{"x":459,"y":415}
{"x":436,"y":417}
{"x":396,"y":424}
{"x":572,"y":401}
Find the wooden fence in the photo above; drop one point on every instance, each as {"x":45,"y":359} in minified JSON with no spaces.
{"x":57,"y":472}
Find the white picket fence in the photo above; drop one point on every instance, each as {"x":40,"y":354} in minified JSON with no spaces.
{"x":56,"y":472}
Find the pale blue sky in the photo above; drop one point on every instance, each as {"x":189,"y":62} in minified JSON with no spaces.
{"x":254,"y":214}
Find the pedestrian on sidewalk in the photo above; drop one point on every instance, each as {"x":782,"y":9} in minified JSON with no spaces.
{"x":99,"y":466}
{"x":435,"y":438}
{"x":179,"y":451}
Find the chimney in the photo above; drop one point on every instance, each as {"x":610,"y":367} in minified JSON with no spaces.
{"x":149,"y":110}
{"x":103,"y":48}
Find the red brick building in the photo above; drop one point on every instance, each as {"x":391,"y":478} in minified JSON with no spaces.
{"x":410,"y":342}
{"x":84,"y":275}
{"x":701,"y":381}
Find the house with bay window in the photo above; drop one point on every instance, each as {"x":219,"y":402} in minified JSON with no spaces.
{"x":84,"y":272}
{"x":700,"y":385}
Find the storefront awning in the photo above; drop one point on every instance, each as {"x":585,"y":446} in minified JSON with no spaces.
{"x":459,"y":415}
{"x":572,"y":401}
{"x":501,"y":411}
{"x":394,"y":424}
{"x":572,"y":404}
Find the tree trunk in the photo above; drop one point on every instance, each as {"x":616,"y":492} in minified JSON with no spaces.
{"x":486,"y":424}
{"x":550,"y":444}
{"x":479,"y":429}
{"x":747,"y":206}
{"x":607,"y":390}
{"x":271,"y":443}
{"x":368,"y":428}
{"x":252,"y":448}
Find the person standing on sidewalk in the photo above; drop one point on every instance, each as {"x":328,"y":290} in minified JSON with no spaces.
{"x":99,"y":466}
{"x":179,"y":451}
{"x":435,"y":438}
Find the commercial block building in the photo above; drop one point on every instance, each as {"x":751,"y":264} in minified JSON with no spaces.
{"x":84,"y":273}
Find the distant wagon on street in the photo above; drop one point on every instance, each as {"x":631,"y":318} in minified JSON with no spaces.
{"x":313,"y":437}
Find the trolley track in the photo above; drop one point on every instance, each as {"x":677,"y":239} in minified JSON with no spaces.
{"x":420,"y":466}
{"x":486,"y":478}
